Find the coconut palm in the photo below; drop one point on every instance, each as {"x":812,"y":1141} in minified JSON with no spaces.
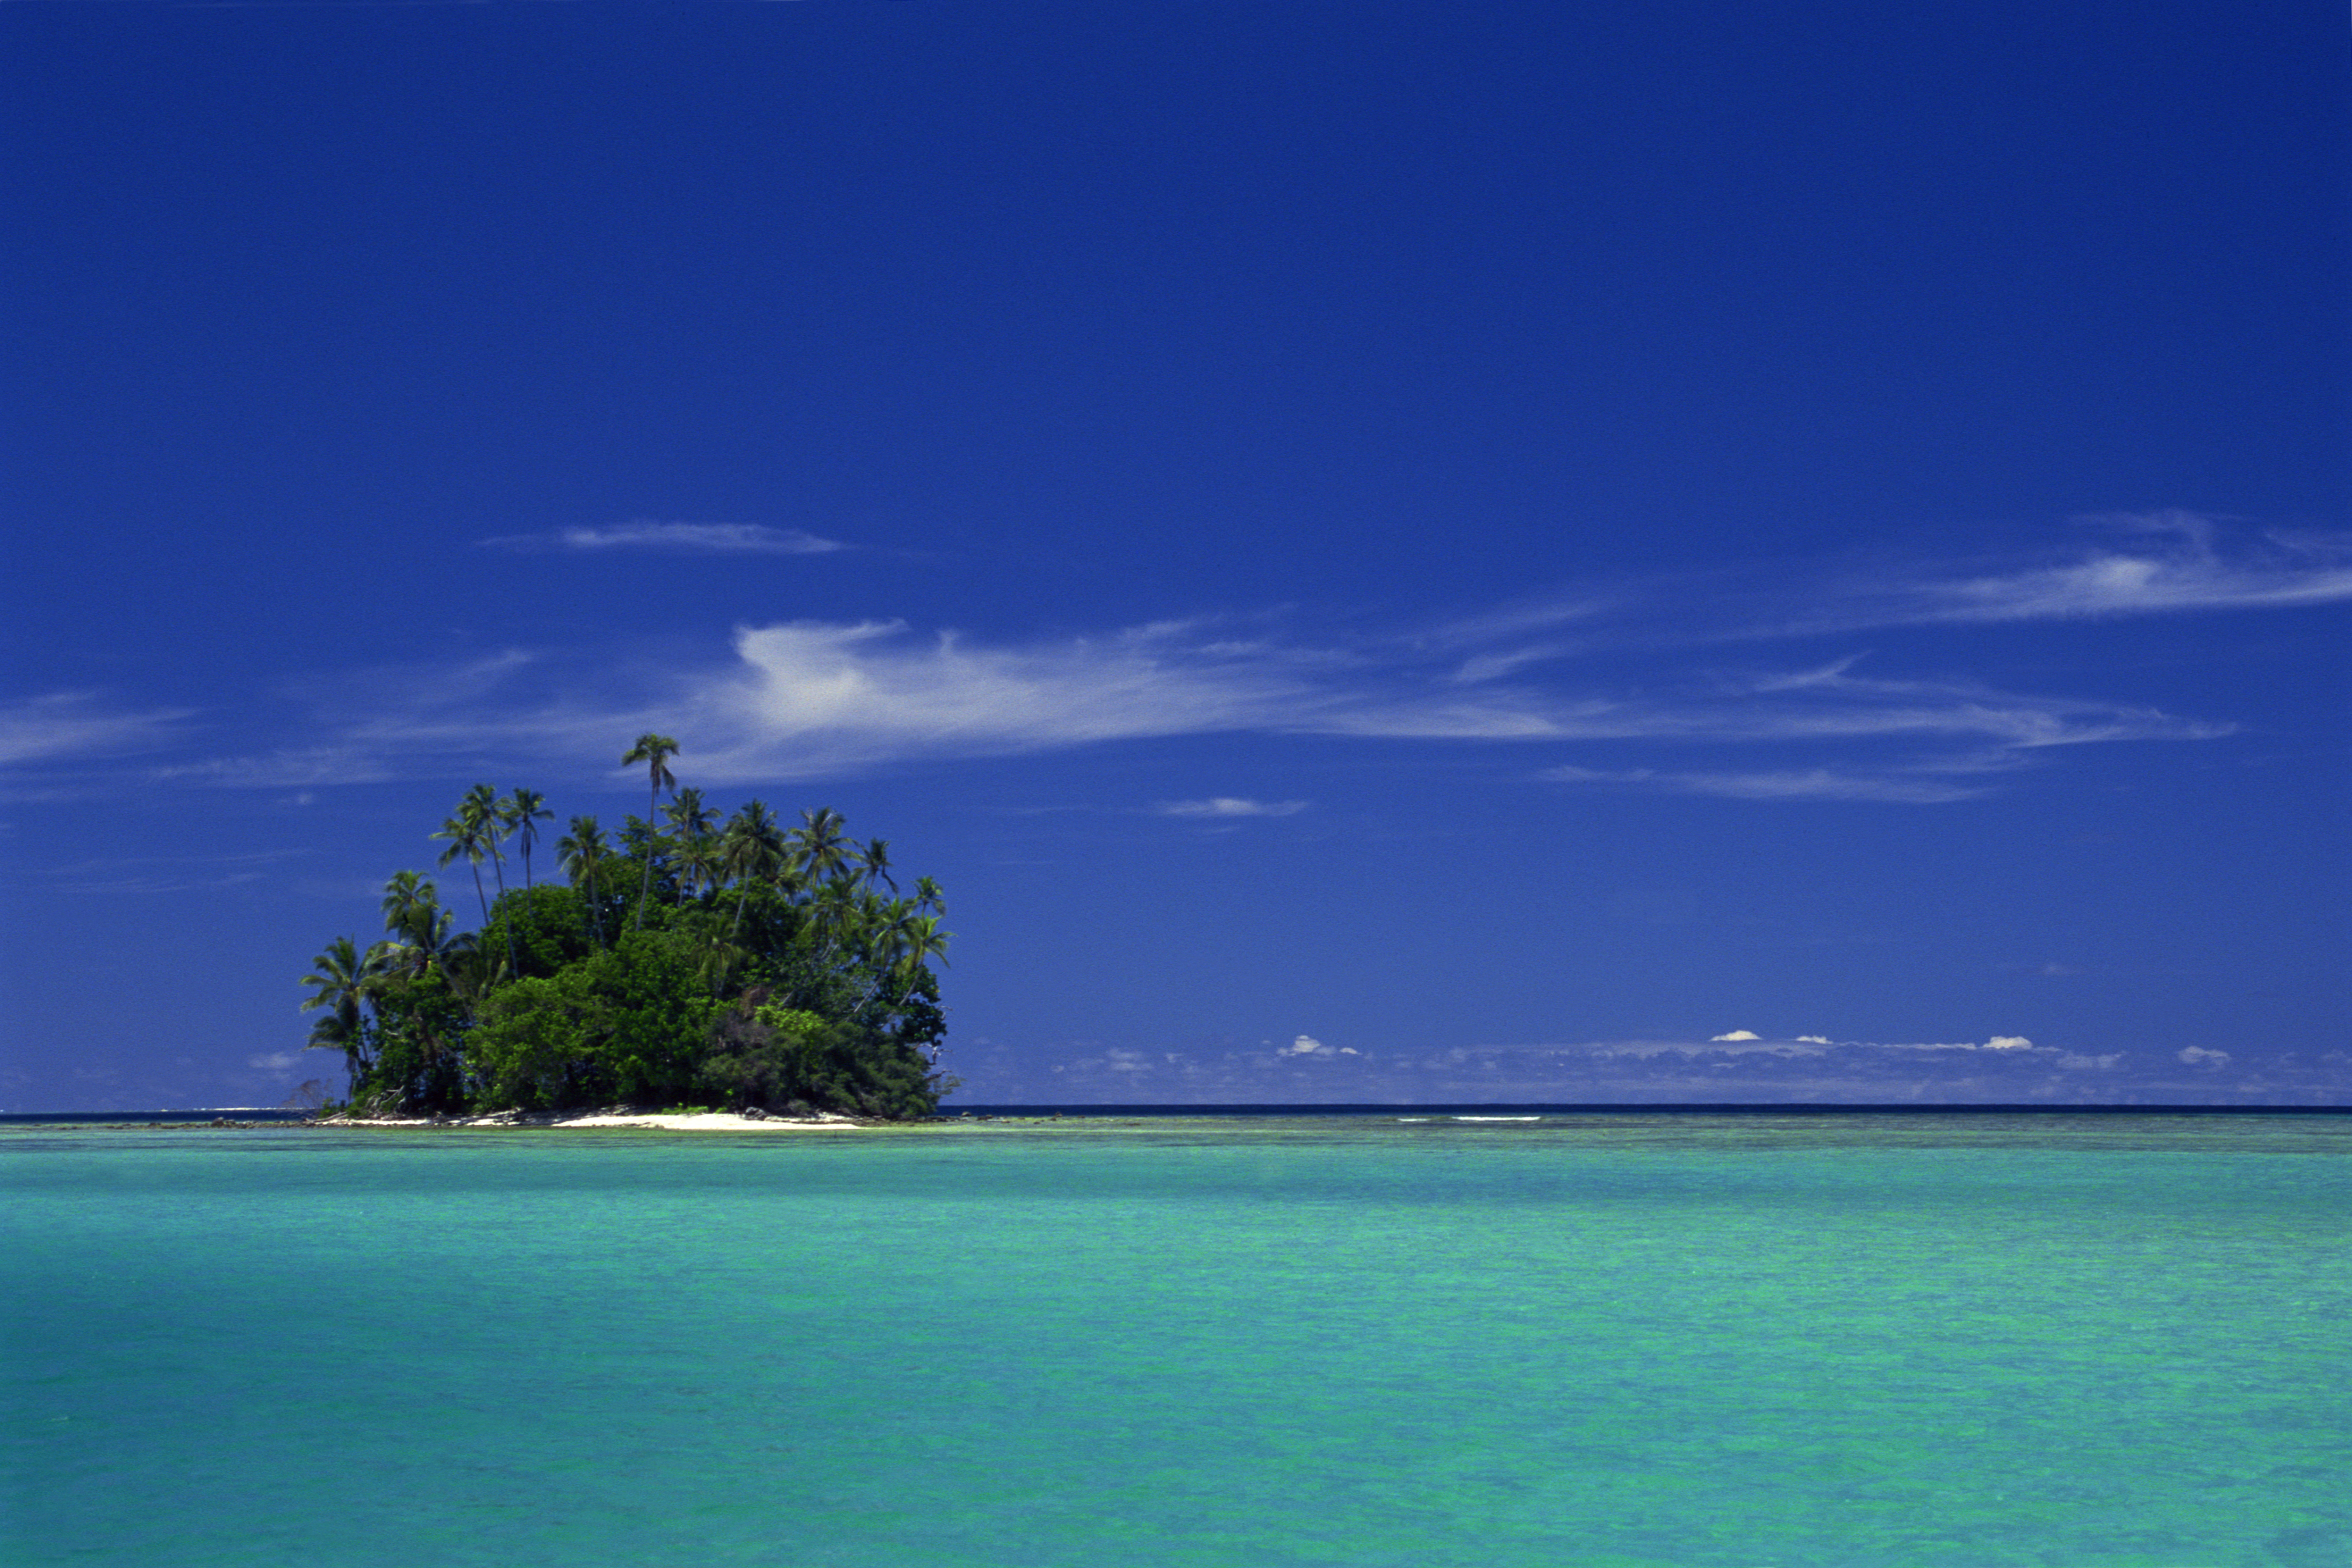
{"x":421,"y":929}
{"x":483,"y":804}
{"x":579,"y":852}
{"x":345,"y":981}
{"x":469,"y":837}
{"x":844,"y":917}
{"x":885,"y":925}
{"x":699,"y":863}
{"x":493,"y":819}
{"x":913,"y":941}
{"x":525,"y":810}
{"x":688,"y":816}
{"x":928,"y":899}
{"x":822,"y":850}
{"x":873,"y":862}
{"x":471,"y":971}
{"x":654,"y":752}
{"x":753,"y":847}
{"x":639,"y":840}
{"x":406,"y":887}
{"x":920,"y":940}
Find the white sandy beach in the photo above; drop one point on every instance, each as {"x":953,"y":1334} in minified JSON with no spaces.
{"x":704,"y":1122}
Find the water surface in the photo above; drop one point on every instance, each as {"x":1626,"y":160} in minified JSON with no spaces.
{"x":1613,"y":1340}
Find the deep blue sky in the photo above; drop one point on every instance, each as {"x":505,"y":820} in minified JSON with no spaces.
{"x":1508,"y":540}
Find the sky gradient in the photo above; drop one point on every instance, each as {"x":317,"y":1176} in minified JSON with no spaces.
{"x":1378,"y":551}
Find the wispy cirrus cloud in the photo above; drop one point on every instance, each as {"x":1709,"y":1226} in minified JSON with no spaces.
{"x":1808,"y":783}
{"x":810,"y":700}
{"x":841,"y":696}
{"x":1226,"y":806}
{"x":359,"y":761}
{"x":2150,"y":563}
{"x":166,"y":873}
{"x":681,"y":537}
{"x":65,"y":725}
{"x":830,"y":695}
{"x":2185,"y":569}
{"x":804,"y":699}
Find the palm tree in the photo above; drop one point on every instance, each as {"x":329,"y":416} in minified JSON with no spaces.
{"x":842,"y":917}
{"x":688,"y":817}
{"x":468,"y":838}
{"x":483,"y":804}
{"x":884,"y":929}
{"x":639,"y":840}
{"x":874,"y":860}
{"x":346,"y":980}
{"x":654,"y":752}
{"x":928,"y":897}
{"x":470,"y":971}
{"x":425,"y":930}
{"x":920,"y":939}
{"x":418,"y":926}
{"x":578,"y":853}
{"x":486,"y":819}
{"x":406,"y":887}
{"x":699,"y":863}
{"x":526,"y":809}
{"x":822,"y":850}
{"x":911,"y":941}
{"x":752,"y":848}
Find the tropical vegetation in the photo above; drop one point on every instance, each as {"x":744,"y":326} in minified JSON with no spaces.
{"x":688,"y":959}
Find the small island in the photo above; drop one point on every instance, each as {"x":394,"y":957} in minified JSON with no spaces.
{"x":689,"y":961}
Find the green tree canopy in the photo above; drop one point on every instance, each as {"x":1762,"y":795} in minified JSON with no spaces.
{"x":758,"y":968}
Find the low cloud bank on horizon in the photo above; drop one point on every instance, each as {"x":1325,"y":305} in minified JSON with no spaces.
{"x":2003,"y":1070}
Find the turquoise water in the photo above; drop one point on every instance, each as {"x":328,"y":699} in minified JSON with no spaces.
{"x":1614,"y":1340}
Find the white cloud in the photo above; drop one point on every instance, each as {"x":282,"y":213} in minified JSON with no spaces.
{"x":1229,"y":806}
{"x":289,"y":769}
{"x":810,"y":698}
{"x":1746,"y":1041}
{"x":62,"y":725}
{"x":819,"y":697}
{"x":2199,"y":1057}
{"x":697,"y":538}
{"x":275,"y":1061}
{"x":1485,"y":667}
{"x":1809,"y":784}
{"x":1308,"y":1046}
{"x":2167,"y":562}
{"x":1747,"y":1070}
{"x":2187,"y":572}
{"x":802,"y":700}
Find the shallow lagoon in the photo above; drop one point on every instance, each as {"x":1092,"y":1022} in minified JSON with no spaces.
{"x":1616,"y":1339}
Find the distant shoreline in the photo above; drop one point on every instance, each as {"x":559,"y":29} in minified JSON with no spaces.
{"x":255,"y":1116}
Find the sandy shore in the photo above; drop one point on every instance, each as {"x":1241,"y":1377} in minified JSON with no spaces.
{"x":706,"y":1121}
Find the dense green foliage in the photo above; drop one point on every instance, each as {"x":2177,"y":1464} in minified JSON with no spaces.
{"x":697,"y":961}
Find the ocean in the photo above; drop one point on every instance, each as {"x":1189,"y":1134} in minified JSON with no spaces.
{"x":1603,"y":1340}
